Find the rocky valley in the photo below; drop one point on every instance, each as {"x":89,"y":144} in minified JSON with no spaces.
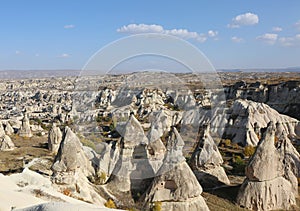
{"x":150,"y":141}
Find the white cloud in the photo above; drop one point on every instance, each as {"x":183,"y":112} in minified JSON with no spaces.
{"x":297,"y":25}
{"x":70,"y":26}
{"x":276,"y":29}
{"x":237,"y":39}
{"x":290,"y":41}
{"x":153,"y":28}
{"x":64,"y":55}
{"x":18,"y":52}
{"x":212,"y":33}
{"x":37,"y":55}
{"x":141,"y":28}
{"x":268,"y":38}
{"x":246,"y":19}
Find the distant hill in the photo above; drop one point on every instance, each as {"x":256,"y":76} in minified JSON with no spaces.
{"x":289,"y":69}
{"x":26,"y":74}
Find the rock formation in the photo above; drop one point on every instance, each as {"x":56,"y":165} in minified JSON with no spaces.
{"x":6,"y":143}
{"x":8,"y":129}
{"x":54,"y":138}
{"x":284,"y":97}
{"x":206,"y":161}
{"x":2,"y":132}
{"x":266,"y":187}
{"x":70,"y":160}
{"x":72,"y":168}
{"x":242,"y":122}
{"x":107,"y":161}
{"x":25,"y":130}
{"x":133,"y":166}
{"x":175,"y":187}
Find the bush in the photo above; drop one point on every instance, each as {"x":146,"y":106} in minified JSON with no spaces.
{"x":249,"y":150}
{"x":227,"y":142}
{"x":156,"y":206}
{"x":239,"y":165}
{"x":67,"y":192}
{"x":110,"y":204}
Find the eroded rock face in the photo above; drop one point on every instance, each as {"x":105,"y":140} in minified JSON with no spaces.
{"x":70,"y":160}
{"x":8,"y":129}
{"x":132,"y":167}
{"x":171,"y":187}
{"x":269,"y":185}
{"x":206,"y":161}
{"x":284,"y":97}
{"x":6,"y":143}
{"x":54,"y":138}
{"x":25,"y":130}
{"x":249,"y":117}
{"x":72,"y":168}
{"x":243,"y":121}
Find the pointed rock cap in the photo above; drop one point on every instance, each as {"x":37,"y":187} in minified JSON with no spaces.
{"x":206,"y":154}
{"x":266,"y":163}
{"x":174,"y":154}
{"x":132,"y":133}
{"x":70,"y":156}
{"x":6,"y":143}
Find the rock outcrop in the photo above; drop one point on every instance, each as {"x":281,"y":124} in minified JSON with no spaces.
{"x":266,"y":187}
{"x":132,"y":167}
{"x":72,"y":168}
{"x":8,"y":129}
{"x":283,"y":97}
{"x":175,"y":187}
{"x":25,"y":130}
{"x":54,"y":138}
{"x":243,"y":121}
{"x":206,"y":161}
{"x":70,"y":160}
{"x":6,"y":143}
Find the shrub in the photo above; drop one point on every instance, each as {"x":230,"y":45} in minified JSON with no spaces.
{"x":239,"y":165}
{"x":67,"y":192}
{"x":249,"y":150}
{"x":110,"y":204}
{"x":102,"y":177}
{"x":227,"y":142}
{"x":156,"y":206}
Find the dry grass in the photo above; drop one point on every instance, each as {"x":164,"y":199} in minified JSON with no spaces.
{"x":25,"y":151}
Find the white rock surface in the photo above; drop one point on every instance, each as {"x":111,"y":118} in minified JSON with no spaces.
{"x":206,"y":161}
{"x":6,"y":143}
{"x":54,"y":138}
{"x":25,"y":130}
{"x":266,"y":186}
{"x":171,"y":186}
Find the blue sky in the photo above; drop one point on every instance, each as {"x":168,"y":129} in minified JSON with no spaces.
{"x":63,"y":34}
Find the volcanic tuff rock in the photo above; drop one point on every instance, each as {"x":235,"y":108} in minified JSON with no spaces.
{"x":266,"y":187}
{"x":132,"y":166}
{"x":283,"y":97}
{"x":206,"y":161}
{"x":25,"y":130}
{"x":54,"y":138}
{"x":71,"y":169}
{"x":70,"y":160}
{"x":171,"y":187}
{"x":243,"y":121}
{"x":6,"y":143}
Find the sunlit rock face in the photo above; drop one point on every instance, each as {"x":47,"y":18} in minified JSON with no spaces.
{"x":175,"y":185}
{"x":270,"y":182}
{"x":206,"y":161}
